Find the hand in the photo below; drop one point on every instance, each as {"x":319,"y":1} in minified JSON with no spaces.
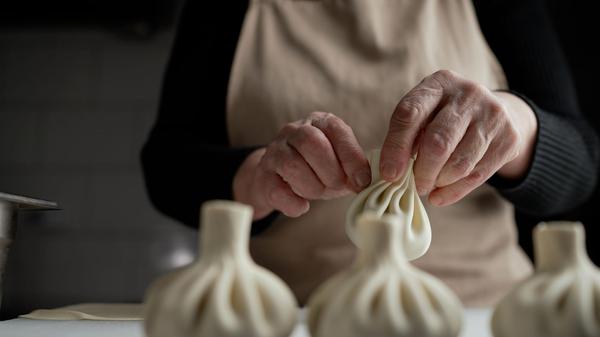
{"x":311,"y":159}
{"x":462,"y":133}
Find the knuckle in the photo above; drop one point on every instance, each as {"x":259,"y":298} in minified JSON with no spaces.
{"x":496,"y":110}
{"x":481,"y":88}
{"x":288,"y":128}
{"x":315,"y":114}
{"x":329,"y":115}
{"x":473,"y":89}
{"x":306,"y":138}
{"x":408,"y":112}
{"x":331,"y":124}
{"x":456,"y":117}
{"x":271,"y":153}
{"x":461,"y":166}
{"x":513,"y":140}
{"x":336,"y":124}
{"x":318,"y":115}
{"x":510,"y":136}
{"x":445,"y":74}
{"x":321,"y":115}
{"x":475,"y":178}
{"x":513,"y":137}
{"x":439,"y":143}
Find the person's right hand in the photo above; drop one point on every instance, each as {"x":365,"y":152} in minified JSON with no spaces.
{"x":311,"y":159}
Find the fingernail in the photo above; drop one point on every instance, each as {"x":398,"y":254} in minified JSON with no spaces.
{"x":362,"y":179}
{"x":389,"y":171}
{"x":436,"y":200}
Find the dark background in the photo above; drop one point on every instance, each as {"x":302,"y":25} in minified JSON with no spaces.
{"x":575,"y":23}
{"x":79,"y":87}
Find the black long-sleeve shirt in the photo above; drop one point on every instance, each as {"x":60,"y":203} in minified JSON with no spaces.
{"x":187,"y":158}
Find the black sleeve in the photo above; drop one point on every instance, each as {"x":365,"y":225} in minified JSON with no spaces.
{"x":187,"y":158}
{"x":566,"y":157}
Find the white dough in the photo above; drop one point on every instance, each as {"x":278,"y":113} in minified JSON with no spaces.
{"x":224,"y":293}
{"x":399,"y":198}
{"x":90,"y":311}
{"x":562,"y":298}
{"x":382,"y":294}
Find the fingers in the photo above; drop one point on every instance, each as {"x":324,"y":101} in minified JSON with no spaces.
{"x":405,"y":124}
{"x":345,"y":145}
{"x":294,"y":170}
{"x":462,"y":131}
{"x":317,"y":151}
{"x":280,"y":196}
{"x":318,"y":158}
{"x":468,"y":153}
{"x":439,"y":141}
{"x":493,"y":159}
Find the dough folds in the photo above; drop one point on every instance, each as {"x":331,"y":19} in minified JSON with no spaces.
{"x":224,"y":293}
{"x":382,"y":294}
{"x":399,"y":198}
{"x":562,"y":298}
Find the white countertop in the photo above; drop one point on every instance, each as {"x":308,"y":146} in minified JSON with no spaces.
{"x":476,"y":325}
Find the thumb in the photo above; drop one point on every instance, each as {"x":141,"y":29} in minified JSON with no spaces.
{"x":406,"y":123}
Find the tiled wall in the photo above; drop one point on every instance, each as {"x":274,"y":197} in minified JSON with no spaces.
{"x":75,"y":108}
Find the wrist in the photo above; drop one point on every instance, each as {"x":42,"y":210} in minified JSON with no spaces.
{"x":525,"y":121}
{"x":245,"y":187}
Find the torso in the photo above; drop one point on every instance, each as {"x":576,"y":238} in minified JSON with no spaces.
{"x":356,"y":58}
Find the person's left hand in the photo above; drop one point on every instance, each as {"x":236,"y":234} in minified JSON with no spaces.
{"x":462,"y":133}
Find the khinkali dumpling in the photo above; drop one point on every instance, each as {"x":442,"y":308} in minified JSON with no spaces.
{"x":382,"y":294}
{"x":562,"y":298}
{"x":399,"y":198}
{"x":224,"y":293}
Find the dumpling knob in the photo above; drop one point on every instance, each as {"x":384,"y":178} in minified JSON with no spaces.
{"x":400,"y":198}
{"x":224,"y":293}
{"x":562,"y":298}
{"x":382,"y":294}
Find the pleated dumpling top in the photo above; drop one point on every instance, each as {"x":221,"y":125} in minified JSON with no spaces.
{"x":562,"y":298}
{"x":399,"y":198}
{"x":382,"y":294}
{"x":224,"y":293}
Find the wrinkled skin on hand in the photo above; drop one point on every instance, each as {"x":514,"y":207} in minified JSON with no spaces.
{"x":317,"y":158}
{"x":462,"y":133}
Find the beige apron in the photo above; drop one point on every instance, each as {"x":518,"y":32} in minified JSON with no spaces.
{"x":356,"y":59}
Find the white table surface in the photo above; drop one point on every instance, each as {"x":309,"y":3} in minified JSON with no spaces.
{"x":476,"y":325}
